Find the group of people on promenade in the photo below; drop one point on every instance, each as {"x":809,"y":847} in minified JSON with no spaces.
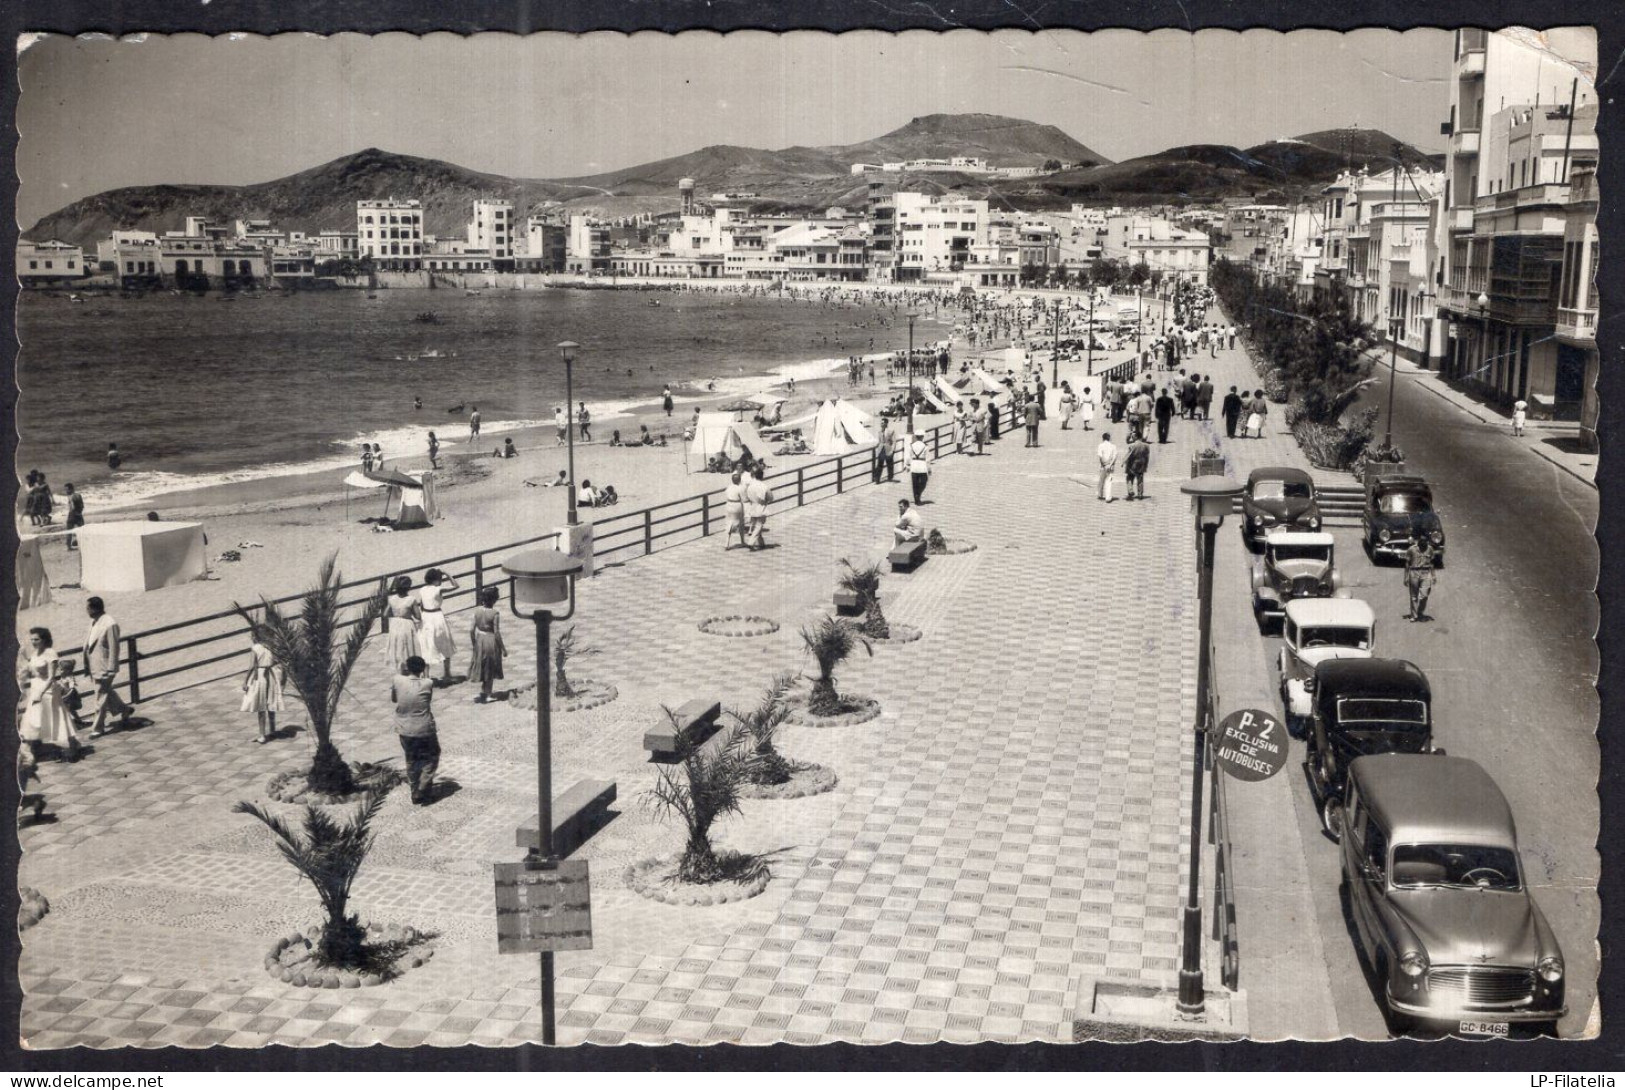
{"x":49,"y":715}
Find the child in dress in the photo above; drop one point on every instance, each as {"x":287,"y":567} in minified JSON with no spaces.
{"x":262,"y":688}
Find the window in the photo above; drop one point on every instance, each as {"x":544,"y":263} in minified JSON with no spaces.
{"x":1376,"y":849}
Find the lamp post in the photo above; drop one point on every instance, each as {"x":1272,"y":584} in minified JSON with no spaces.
{"x":912,"y":314}
{"x":1055,"y":347}
{"x":1483,"y":305}
{"x":567,"y":350}
{"x":1139,"y":315}
{"x":541,"y":581}
{"x":1393,"y":379}
{"x":1091,"y":348}
{"x":1211,"y":499}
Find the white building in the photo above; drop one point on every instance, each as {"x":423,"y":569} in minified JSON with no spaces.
{"x":108,"y":249}
{"x":390,"y":232}
{"x":42,"y":262}
{"x":936,"y":234}
{"x":492,"y":228}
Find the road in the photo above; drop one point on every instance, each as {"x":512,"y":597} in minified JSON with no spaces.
{"x":1513,"y":664}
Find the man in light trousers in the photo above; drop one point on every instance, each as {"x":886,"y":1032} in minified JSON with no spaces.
{"x":1106,"y":453}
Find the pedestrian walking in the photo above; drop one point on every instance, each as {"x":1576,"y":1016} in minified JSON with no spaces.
{"x":978,"y":419}
{"x":1187,"y":398}
{"x":47,"y":719}
{"x":486,"y":646}
{"x":434,"y":634}
{"x":262,"y":687}
{"x":1420,"y":560}
{"x":1106,"y":455}
{"x":993,"y":411}
{"x":1032,"y":415}
{"x":665,"y":400}
{"x":403,"y":614}
{"x":1134,"y":467}
{"x":1520,"y":413}
{"x":733,"y":512}
{"x":1232,"y":335}
{"x":1069,"y":406}
{"x":102,"y":647}
{"x":1086,"y":407}
{"x":434,"y":451}
{"x":561,"y":422}
{"x":1042,"y":390}
{"x":1204,"y":395}
{"x":757,"y":497}
{"x":413,"y":696}
{"x":1164,"y":410}
{"x":919,"y":465}
{"x":76,"y":512}
{"x":1257,"y":410}
{"x":114,"y":458}
{"x":885,"y":452}
{"x":1139,"y":413}
{"x":474,"y":424}
{"x":584,"y":418}
{"x":1230,"y":409}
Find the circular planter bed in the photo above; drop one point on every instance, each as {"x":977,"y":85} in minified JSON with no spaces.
{"x":953,"y":546}
{"x":33,"y":909}
{"x":900,"y":634}
{"x":806,"y":780}
{"x":656,"y":879}
{"x":854,"y":710}
{"x":398,"y":950}
{"x":588,"y":694}
{"x":293,"y":788}
{"x":738,"y":627}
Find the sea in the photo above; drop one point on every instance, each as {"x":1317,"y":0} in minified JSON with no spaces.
{"x":201,"y":390}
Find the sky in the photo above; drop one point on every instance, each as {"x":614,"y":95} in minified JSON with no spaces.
{"x":96,"y":114}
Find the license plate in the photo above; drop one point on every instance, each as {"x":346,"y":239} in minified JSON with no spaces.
{"x":1482,"y":1029}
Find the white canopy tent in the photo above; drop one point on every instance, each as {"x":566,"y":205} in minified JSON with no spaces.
{"x":840,"y":428}
{"x":121,"y":556}
{"x":720,"y":433}
{"x":411,"y":494}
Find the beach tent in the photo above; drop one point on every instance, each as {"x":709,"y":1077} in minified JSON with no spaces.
{"x":411,"y":494}
{"x":120,"y":556}
{"x":719,"y":433}
{"x":934,"y":401}
{"x":991,"y":385}
{"x":948,"y":391}
{"x":33,"y":588}
{"x":839,"y":428}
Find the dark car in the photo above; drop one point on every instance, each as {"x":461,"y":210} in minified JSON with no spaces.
{"x":1360,"y":707}
{"x":1277,"y":496}
{"x":1436,"y":893}
{"x":1397,"y":510}
{"x":1294,"y":565}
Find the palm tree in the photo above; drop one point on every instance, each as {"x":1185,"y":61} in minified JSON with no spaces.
{"x":829,"y":642}
{"x":865,"y":583}
{"x":328,"y":857}
{"x":565,"y":648}
{"x":761,"y":725}
{"x":307,"y":648}
{"x":703,"y":788}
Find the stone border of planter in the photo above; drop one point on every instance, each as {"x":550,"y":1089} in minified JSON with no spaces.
{"x":650,"y":878}
{"x":589,"y":694}
{"x":954,"y":547}
{"x":345,"y":978}
{"x":33,"y":908}
{"x":900,"y":634}
{"x":368,"y":777}
{"x":807,"y":780}
{"x":749,"y":626}
{"x":869,"y":710}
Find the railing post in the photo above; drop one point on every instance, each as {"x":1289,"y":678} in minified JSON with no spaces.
{"x":479,"y":574}
{"x":705,"y":514}
{"x":648,"y":531}
{"x":840,"y":474}
{"x":936,"y":442}
{"x":134,"y":655}
{"x":801,"y":481}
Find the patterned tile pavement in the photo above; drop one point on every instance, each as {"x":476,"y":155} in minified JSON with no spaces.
{"x":1013,"y":820}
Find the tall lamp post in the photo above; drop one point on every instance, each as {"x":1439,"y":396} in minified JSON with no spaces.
{"x":542,"y":581}
{"x":567,"y":350}
{"x":1211,"y":499}
{"x":1482,"y":303}
{"x":912,"y":314}
{"x":1139,"y":315}
{"x":1091,"y":348}
{"x":1055,"y":347}
{"x":1393,"y":380}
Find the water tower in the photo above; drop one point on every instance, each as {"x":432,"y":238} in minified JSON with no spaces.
{"x":685,"y":190}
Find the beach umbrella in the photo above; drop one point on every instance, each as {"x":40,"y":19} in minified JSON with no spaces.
{"x":741,"y":406}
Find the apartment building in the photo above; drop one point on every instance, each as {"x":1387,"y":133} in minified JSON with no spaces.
{"x":46,"y":262}
{"x":492,"y":229}
{"x":390,"y":232}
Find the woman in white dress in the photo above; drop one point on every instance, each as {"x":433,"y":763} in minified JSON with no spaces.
{"x":403,"y":615}
{"x":1520,"y":414}
{"x":262,"y":688}
{"x":434,"y":634}
{"x":1086,"y":407}
{"x":46,"y":719}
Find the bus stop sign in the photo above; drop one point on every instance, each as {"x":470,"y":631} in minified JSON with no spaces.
{"x":1251,"y":744}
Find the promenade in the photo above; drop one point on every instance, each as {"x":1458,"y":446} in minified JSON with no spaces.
{"x":1013,"y":821}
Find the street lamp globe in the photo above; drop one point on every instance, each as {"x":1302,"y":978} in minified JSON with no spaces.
{"x":541,"y":581}
{"x":567,"y":351}
{"x":1483,"y":301}
{"x":1212,"y":497}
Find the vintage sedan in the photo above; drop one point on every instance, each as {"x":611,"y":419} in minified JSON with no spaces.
{"x":1361,"y":707}
{"x":1317,"y":630}
{"x":1277,"y":496}
{"x":1294,"y":565}
{"x":1437,"y":896}
{"x":1397,"y":509}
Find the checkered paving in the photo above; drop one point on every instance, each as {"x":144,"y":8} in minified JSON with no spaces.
{"x":1012,"y":821}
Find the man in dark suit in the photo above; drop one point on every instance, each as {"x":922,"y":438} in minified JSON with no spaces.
{"x":1231,"y":408}
{"x":1164,"y":414}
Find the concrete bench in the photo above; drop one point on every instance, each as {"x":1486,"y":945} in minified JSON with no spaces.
{"x":695,"y":721}
{"x":577,"y":814}
{"x":907,"y":556}
{"x":846,"y":603}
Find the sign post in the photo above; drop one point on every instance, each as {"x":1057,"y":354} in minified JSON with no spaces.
{"x":1252,"y":745}
{"x":543,"y":905}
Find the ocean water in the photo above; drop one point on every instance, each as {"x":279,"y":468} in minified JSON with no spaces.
{"x":200,"y":390}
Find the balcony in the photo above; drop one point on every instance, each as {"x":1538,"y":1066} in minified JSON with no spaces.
{"x":1471,"y":64}
{"x":1461,"y":219}
{"x":1576,"y":326}
{"x":1545,"y":195}
{"x":1464,"y":142}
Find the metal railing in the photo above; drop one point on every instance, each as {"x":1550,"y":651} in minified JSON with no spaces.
{"x":1224,"y":931}
{"x":192,"y":656}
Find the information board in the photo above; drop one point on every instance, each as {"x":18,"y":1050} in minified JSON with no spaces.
{"x":541,"y":910}
{"x":1250,"y":744}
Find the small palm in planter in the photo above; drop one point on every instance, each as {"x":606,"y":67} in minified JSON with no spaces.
{"x":865,"y":583}
{"x":830,"y":642}
{"x":565,"y":649}
{"x":328,"y":856}
{"x":703,"y":788}
{"x":766,"y":765}
{"x":307,"y":648}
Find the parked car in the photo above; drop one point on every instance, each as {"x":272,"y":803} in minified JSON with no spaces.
{"x":1437,"y":896}
{"x":1361,"y":707}
{"x":1294,"y":565}
{"x":1397,"y":509}
{"x":1317,"y":630}
{"x":1277,"y":496}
